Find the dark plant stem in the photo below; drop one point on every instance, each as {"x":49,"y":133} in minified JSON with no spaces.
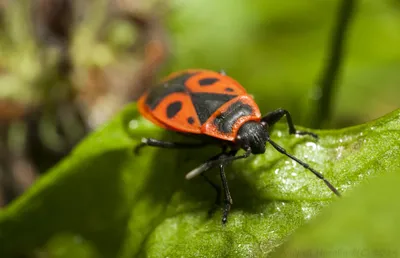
{"x":329,"y":76}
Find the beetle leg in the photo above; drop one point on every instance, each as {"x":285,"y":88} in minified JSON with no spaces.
{"x":217,"y":188}
{"x":220,"y":159}
{"x":170,"y":145}
{"x":227,"y":195}
{"x":272,"y":117}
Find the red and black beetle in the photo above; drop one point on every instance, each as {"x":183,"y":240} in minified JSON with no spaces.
{"x":202,"y":102}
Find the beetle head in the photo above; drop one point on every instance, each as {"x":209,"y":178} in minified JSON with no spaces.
{"x":252,"y":135}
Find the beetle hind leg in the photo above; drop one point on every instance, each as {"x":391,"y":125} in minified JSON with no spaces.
{"x":168,"y":145}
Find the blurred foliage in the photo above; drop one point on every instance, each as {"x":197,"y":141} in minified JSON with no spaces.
{"x":277,"y":51}
{"x":103,"y":199}
{"x":67,"y":67}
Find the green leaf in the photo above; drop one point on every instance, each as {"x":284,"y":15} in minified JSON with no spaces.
{"x":363,"y":225}
{"x":105,"y":201}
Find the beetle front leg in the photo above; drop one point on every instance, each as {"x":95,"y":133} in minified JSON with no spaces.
{"x":227,"y":195}
{"x":272,"y":117}
{"x":217,"y":189}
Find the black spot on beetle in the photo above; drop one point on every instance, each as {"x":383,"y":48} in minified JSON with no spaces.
{"x":208,"y":81}
{"x":229,"y":89}
{"x":190,"y":120}
{"x":207,"y":103}
{"x":160,"y":91}
{"x":174,"y":109}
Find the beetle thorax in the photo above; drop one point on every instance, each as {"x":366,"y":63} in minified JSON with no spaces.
{"x":252,"y":135}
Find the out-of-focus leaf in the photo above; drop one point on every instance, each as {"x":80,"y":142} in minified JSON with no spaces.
{"x":363,"y":225}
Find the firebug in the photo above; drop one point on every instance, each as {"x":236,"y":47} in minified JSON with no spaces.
{"x":217,"y":109}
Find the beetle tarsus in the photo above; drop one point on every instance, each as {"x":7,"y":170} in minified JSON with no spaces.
{"x":315,"y":136}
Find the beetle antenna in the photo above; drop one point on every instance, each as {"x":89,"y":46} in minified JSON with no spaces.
{"x":305,"y":165}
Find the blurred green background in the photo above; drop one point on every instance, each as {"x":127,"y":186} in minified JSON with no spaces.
{"x":278,"y":50}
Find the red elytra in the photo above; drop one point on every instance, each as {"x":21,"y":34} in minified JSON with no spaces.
{"x":206,"y":94}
